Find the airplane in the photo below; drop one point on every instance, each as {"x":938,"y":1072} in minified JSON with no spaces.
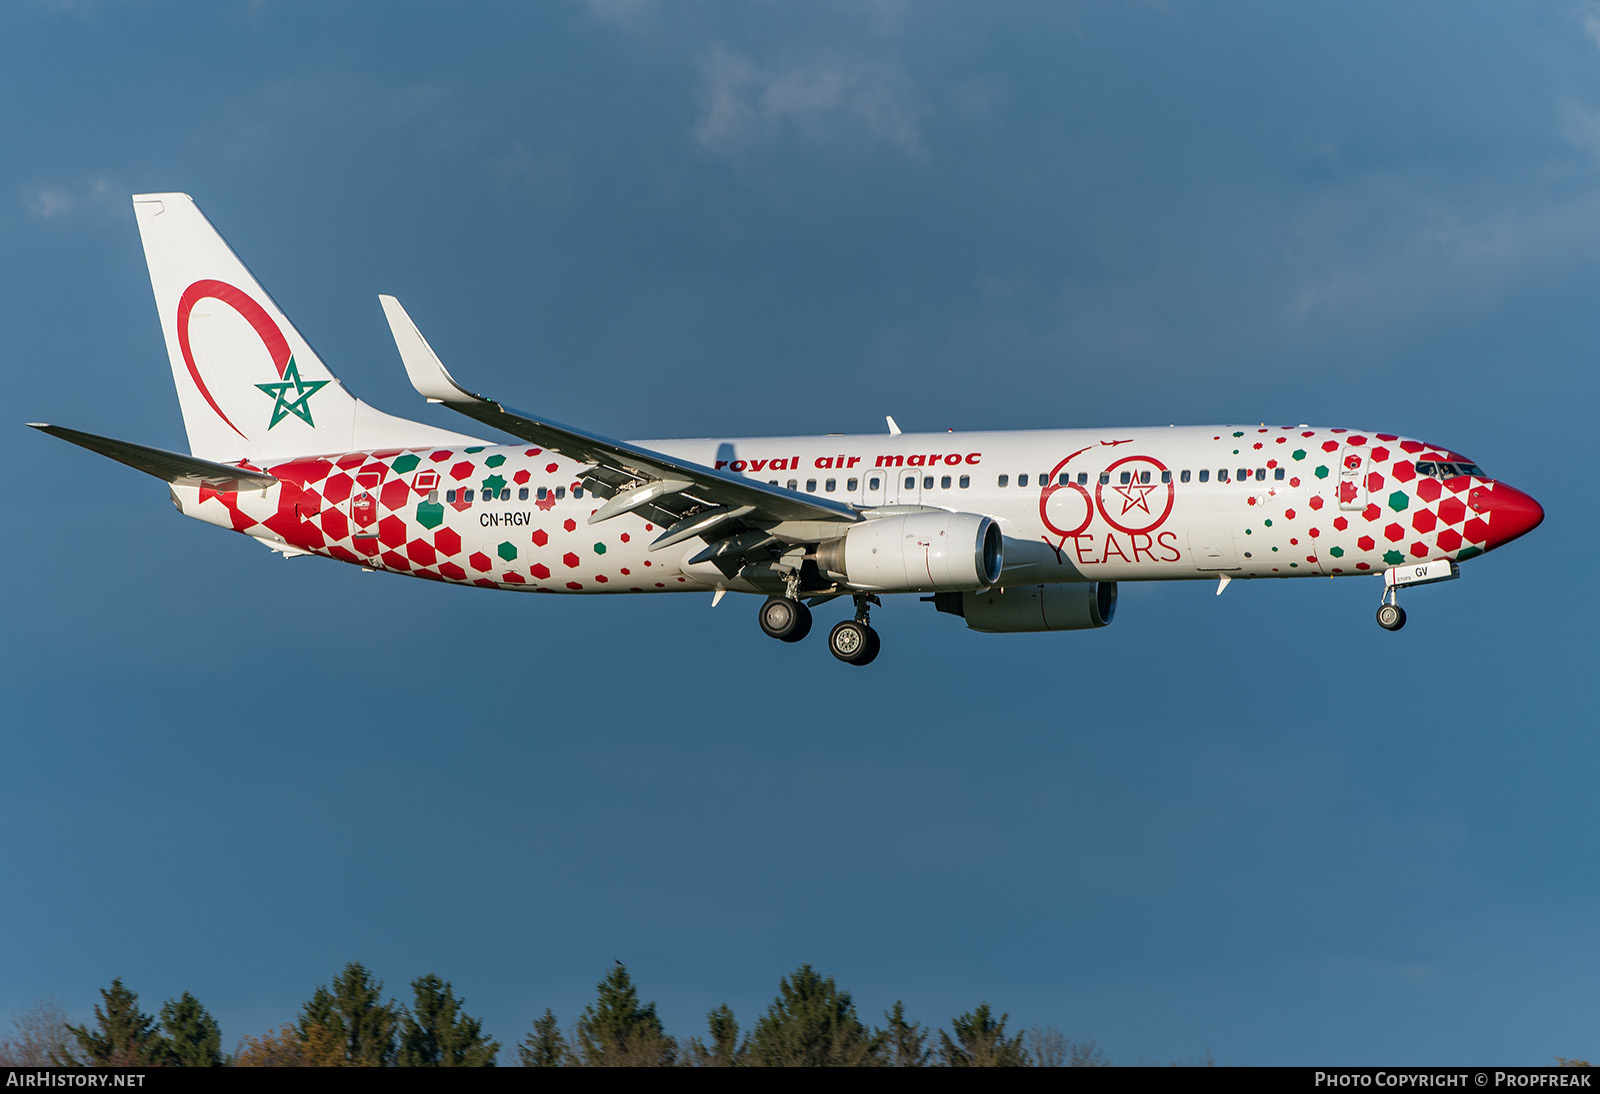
{"x":1020,"y":531}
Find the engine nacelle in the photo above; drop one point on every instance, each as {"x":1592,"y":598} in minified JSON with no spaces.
{"x":1022,"y":608}
{"x":918,"y":552}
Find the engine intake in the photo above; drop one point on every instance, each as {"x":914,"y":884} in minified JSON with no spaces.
{"x":1019,"y":609}
{"x":918,"y":552}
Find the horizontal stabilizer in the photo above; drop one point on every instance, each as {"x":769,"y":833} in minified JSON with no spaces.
{"x":173,"y":467}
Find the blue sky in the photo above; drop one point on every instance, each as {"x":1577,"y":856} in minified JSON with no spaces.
{"x":1254,"y":824}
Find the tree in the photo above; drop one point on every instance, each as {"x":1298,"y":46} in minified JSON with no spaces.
{"x":41,"y":1038}
{"x":1049,"y":1047}
{"x":123,"y":1035}
{"x":436,"y":1034}
{"x":354,"y":1017}
{"x":905,"y":1043}
{"x":725,"y":1049}
{"x":980,"y":1041}
{"x":192,"y":1034}
{"x":813,"y":1024}
{"x":545,"y":1047}
{"x":617,"y":1032}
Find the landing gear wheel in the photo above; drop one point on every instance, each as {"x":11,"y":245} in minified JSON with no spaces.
{"x":854,"y":643}
{"x":1391,"y":617}
{"x":784,"y":619}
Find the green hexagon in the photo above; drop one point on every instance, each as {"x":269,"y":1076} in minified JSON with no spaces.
{"x":1268,"y":522}
{"x":475,"y":449}
{"x":1467,"y":552}
{"x":1299,"y":453}
{"x":1238,"y":434}
{"x":1322,"y":472}
{"x":1393,"y":558}
{"x":508,"y":551}
{"x":1398,"y":500}
{"x":430,"y":514}
{"x":1336,"y":552}
{"x":599,"y":548}
{"x":494,"y":484}
{"x":1247,"y":531}
{"x":406,"y":463}
{"x":495,"y":460}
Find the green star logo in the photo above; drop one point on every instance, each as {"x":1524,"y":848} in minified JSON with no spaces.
{"x":284,"y":404}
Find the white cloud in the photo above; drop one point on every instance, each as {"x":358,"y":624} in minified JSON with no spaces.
{"x":1591,"y":26}
{"x":745,"y":101}
{"x":54,"y":201}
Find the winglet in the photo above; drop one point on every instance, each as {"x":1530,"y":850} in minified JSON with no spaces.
{"x":427,"y":373}
{"x":894,"y":427}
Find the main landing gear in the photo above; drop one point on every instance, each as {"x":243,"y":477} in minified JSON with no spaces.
{"x":854,"y":641}
{"x":1391,"y":616}
{"x":785,"y":619}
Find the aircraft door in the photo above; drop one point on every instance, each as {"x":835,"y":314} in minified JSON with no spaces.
{"x":906,"y":487}
{"x":874,"y":486}
{"x":1352,"y":478}
{"x":364,"y":511}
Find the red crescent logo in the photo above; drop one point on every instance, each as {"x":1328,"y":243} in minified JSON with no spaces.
{"x":253,"y":313}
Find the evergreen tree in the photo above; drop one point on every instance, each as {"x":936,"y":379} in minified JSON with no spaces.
{"x":354,"y":1016}
{"x":980,"y":1041}
{"x":123,"y":1036}
{"x":813,"y":1024}
{"x":436,"y":1034}
{"x":905,"y":1043}
{"x":194,"y":1037}
{"x":545,"y":1047}
{"x":725,"y":1049}
{"x":617,"y":1032}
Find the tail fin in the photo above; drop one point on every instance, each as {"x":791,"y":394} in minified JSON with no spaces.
{"x":250,"y":386}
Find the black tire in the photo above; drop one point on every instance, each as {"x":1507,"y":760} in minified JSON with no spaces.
{"x":1391,"y":617}
{"x":784,"y":619}
{"x":853,"y":643}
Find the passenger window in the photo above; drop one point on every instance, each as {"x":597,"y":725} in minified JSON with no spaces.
{"x":505,"y":495}
{"x":433,"y":497}
{"x":1127,"y":477}
{"x":772,"y":482}
{"x":1144,"y":478}
{"x":466,"y":496}
{"x":872,"y":483}
{"x":1205,"y":474}
{"x":944,"y":483}
{"x":811,"y":486}
{"x":1083,"y":478}
{"x":1022,"y":480}
{"x":851,"y":484}
{"x":927,"y":482}
{"x":830,"y":484}
{"x":450,"y":496}
{"x":1105,"y":478}
{"x":1004,"y":479}
{"x":794,"y":484}
{"x":966,"y":481}
{"x":911,"y":482}
{"x":577,"y":491}
{"x":561,"y":493}
{"x":1222,"y":474}
{"x":1063,"y":478}
{"x":1278,"y":474}
{"x":1261,"y":474}
{"x":1166,"y":476}
{"x":522,"y":493}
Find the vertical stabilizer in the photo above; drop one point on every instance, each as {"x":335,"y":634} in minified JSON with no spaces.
{"x":250,"y":386}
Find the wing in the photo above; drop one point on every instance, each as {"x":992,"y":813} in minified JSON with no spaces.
{"x":737,"y":516}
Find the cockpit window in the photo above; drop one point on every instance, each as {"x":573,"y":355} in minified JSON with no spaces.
{"x":1448,"y":469}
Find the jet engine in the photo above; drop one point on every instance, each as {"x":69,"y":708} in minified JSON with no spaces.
{"x":1021,"y":608}
{"x":918,"y":552}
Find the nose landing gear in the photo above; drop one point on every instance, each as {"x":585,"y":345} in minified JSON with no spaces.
{"x":1391,"y":616}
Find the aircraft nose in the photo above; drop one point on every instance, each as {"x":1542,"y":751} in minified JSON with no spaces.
{"x":1510,"y":512}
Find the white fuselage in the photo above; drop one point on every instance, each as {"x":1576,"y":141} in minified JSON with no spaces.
{"x":1073,"y":505}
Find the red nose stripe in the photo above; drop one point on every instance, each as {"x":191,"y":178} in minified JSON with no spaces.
{"x":1511,"y":514}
